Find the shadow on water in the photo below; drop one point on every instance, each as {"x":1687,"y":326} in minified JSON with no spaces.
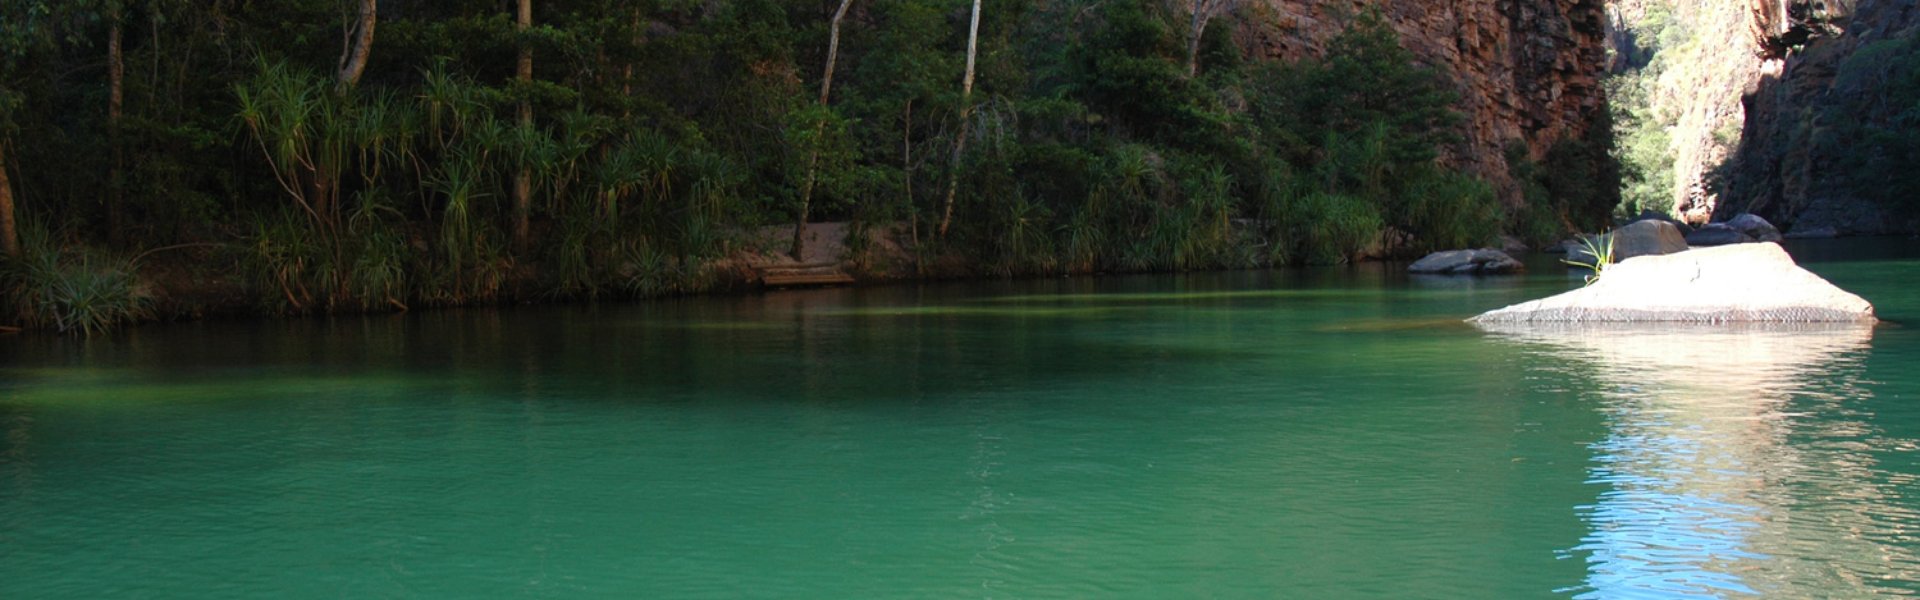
{"x":839,"y":346}
{"x":1738,"y":460}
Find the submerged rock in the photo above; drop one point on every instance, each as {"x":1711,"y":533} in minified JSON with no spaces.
{"x":1717,"y":234}
{"x":1485,"y":261}
{"x":1737,"y":283}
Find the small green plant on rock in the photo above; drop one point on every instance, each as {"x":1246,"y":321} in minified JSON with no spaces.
{"x":1599,"y":251}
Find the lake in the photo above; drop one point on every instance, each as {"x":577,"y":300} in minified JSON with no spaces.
{"x":1313,"y":433}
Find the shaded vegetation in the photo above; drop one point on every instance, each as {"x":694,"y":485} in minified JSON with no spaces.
{"x":70,"y":289}
{"x":1876,"y":155}
{"x":653,"y":139}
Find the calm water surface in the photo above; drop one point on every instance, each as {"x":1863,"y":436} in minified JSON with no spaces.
{"x":1314,"y":434}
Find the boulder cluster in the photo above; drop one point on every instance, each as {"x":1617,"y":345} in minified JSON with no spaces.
{"x":1660,"y":272}
{"x":1734,"y":283}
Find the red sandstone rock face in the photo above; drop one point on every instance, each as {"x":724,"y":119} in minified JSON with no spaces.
{"x":1527,"y":70}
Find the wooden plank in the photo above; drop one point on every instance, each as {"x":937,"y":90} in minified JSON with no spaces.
{"x":792,"y":279}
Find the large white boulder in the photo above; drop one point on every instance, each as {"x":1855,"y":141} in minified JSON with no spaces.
{"x":1737,"y":283}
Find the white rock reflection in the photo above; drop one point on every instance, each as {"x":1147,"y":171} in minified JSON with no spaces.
{"x":1736,"y":462}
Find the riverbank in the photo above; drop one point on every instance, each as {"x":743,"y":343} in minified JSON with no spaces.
{"x":206,"y":281}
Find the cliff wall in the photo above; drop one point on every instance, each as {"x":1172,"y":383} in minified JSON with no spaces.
{"x":1527,"y":70}
{"x":1807,"y":117}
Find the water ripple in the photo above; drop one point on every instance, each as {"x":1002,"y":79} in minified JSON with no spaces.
{"x":1737,"y":462}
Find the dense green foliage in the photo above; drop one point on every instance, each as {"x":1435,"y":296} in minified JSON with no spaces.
{"x":666,"y":132}
{"x":1643,"y":120}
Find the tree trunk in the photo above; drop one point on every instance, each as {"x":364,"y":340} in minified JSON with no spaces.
{"x":1203,"y":13}
{"x":321,"y":192}
{"x":626,"y":86}
{"x":359,"y":43}
{"x":1198,"y":26}
{"x":906,"y":170}
{"x":523,"y":180}
{"x":819,"y":130}
{"x":9,"y":237}
{"x":116,"y":75}
{"x":966,"y":120}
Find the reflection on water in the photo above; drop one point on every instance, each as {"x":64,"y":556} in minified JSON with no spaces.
{"x":1735,"y":463}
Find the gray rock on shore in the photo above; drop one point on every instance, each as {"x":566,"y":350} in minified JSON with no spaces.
{"x":1650,"y":237}
{"x":1484,"y":261}
{"x":1717,"y":234}
{"x":1754,"y":227}
{"x":1737,"y":283}
{"x":1744,"y":228}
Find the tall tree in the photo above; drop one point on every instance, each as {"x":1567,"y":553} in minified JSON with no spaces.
{"x":523,"y":178}
{"x":9,"y":235}
{"x":966,"y":118}
{"x":356,"y":44}
{"x":1203,"y":12}
{"x":819,"y":131}
{"x":116,"y":93}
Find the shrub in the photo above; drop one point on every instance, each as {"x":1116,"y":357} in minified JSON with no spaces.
{"x":1333,"y":228}
{"x":1451,"y":210}
{"x":71,"y":290}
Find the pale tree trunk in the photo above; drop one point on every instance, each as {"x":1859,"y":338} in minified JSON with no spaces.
{"x":906,"y":169}
{"x":1198,"y":26}
{"x":523,"y":180}
{"x":9,"y":236}
{"x":626,"y":85}
{"x":819,"y":130}
{"x":358,"y":43}
{"x":1203,"y":12}
{"x":116,"y":76}
{"x":966,"y":120}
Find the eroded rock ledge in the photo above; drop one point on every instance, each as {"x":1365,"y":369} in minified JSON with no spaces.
{"x":1739,"y":283}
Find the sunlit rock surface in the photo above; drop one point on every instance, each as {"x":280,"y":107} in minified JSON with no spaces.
{"x":1738,"y":283}
{"x":1647,"y":238}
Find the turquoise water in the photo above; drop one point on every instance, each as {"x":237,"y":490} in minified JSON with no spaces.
{"x":1330,"y":433}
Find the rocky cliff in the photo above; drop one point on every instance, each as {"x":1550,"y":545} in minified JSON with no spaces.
{"x":1806,"y":116}
{"x":1527,"y":70}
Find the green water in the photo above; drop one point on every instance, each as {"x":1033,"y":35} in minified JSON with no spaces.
{"x":1327,"y":433}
